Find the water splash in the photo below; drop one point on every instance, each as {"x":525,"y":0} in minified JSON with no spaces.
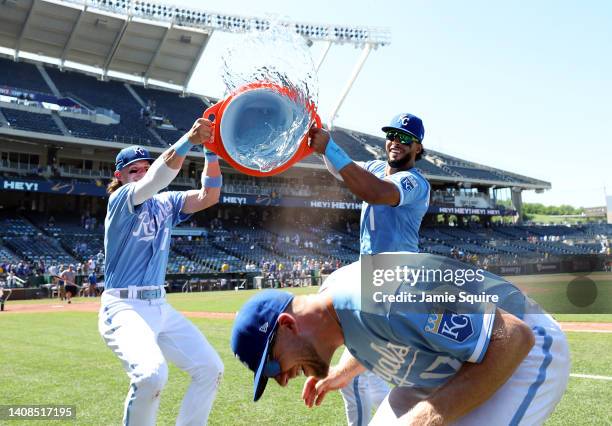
{"x":269,"y":128}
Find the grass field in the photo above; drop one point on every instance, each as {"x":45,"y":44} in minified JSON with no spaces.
{"x":59,"y":358}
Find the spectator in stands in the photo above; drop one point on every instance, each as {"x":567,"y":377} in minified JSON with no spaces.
{"x":396,"y":197}
{"x":146,"y":332}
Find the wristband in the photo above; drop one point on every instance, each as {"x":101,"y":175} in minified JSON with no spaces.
{"x":336,"y":155}
{"x":182,"y":146}
{"x":212,"y":182}
{"x":210,"y":156}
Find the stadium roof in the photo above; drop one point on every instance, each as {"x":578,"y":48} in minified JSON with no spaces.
{"x":151,"y":42}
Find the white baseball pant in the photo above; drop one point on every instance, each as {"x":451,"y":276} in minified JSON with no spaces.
{"x":365,"y":392}
{"x":144,"y":334}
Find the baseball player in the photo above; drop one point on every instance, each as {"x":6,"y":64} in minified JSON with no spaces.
{"x":396,"y":197}
{"x":135,"y":320}
{"x":491,"y":367}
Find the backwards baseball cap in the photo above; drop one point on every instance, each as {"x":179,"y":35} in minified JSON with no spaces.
{"x":254,"y":329}
{"x":131,"y":154}
{"x":407,"y":123}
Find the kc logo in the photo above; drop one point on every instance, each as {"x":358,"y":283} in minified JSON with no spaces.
{"x":139,"y":151}
{"x":404,"y":119}
{"x":450,"y":325}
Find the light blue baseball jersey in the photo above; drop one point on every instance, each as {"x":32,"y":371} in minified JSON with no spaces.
{"x":386,"y":228}
{"x":404,"y":346}
{"x":137,"y":239}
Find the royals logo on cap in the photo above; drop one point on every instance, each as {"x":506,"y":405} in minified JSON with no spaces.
{"x":130,"y":155}
{"x":407,"y":123}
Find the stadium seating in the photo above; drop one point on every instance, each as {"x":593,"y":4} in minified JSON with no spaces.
{"x":13,"y":225}
{"x":39,"y":247}
{"x":430,"y":168}
{"x":7,"y":256}
{"x":34,"y":122}
{"x":182,"y":111}
{"x":475,"y":173}
{"x":111,"y":95}
{"x":22,"y":75}
{"x":169,"y":136}
{"x":33,"y":238}
{"x":354,"y":148}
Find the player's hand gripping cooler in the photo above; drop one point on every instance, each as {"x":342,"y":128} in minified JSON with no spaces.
{"x":262,"y":128}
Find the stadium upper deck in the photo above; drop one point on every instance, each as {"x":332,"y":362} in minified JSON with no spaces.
{"x":67,"y":107}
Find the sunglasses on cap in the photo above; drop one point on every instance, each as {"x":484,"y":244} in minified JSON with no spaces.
{"x":403,"y":138}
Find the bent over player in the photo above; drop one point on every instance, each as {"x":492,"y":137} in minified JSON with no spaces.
{"x":483,"y":367}
{"x":395,"y":199}
{"x":135,"y":321}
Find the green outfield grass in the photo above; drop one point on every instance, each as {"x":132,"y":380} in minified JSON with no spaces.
{"x":59,"y":358}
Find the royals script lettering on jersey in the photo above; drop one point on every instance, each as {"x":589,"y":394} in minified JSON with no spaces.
{"x":137,"y":239}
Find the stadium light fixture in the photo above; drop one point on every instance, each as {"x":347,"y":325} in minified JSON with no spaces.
{"x":201,"y":19}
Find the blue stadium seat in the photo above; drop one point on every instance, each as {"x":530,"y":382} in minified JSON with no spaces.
{"x":182,"y":111}
{"x":111,"y":95}
{"x":34,"y":122}
{"x":22,"y":75}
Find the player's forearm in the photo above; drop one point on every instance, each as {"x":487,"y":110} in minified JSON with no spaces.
{"x":510,"y":343}
{"x":368,"y":187}
{"x":162,"y":172}
{"x":359,"y":181}
{"x":332,"y":169}
{"x":348,"y":366}
{"x":176,"y":154}
{"x":210,"y":191}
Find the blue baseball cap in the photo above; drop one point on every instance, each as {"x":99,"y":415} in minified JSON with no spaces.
{"x":407,"y":123}
{"x":253,"y":331}
{"x":131,"y":154}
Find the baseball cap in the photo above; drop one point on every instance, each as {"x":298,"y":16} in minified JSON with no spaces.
{"x":407,"y":123}
{"x":131,"y":154}
{"x":253,"y":331}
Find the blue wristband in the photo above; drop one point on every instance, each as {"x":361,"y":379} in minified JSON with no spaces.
{"x":212,"y":182}
{"x":182,"y":146}
{"x":336,"y":155}
{"x":210,"y":156}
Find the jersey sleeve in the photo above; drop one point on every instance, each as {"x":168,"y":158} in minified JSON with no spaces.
{"x":461,"y":336}
{"x":120,"y":201}
{"x":412,"y":188}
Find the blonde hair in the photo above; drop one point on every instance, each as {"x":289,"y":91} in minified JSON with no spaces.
{"x":113,"y":186}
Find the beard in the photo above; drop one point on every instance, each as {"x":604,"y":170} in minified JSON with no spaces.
{"x":399,"y":163}
{"x":320,"y":368}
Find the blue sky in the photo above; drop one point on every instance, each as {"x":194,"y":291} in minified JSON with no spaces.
{"x":522,"y":86}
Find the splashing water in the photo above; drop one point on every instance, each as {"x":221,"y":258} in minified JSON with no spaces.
{"x":262,"y":128}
